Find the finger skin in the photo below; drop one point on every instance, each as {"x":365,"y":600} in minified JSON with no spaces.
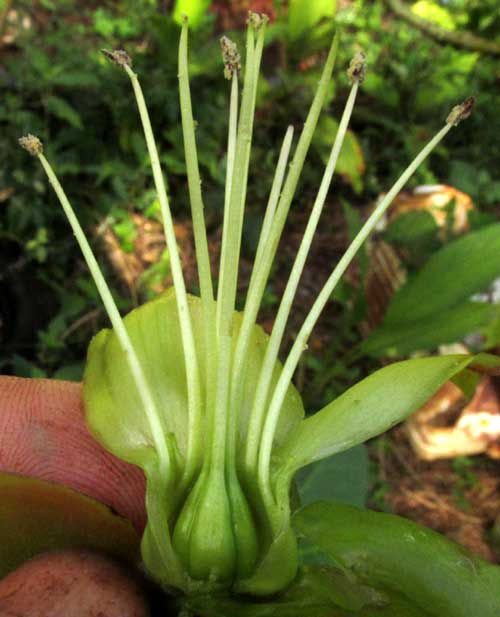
{"x":43,"y":435}
{"x":70,"y":584}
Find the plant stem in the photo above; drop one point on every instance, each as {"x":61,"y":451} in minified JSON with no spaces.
{"x":302,"y":337}
{"x":142,"y":386}
{"x":266,"y":373}
{"x":194,"y":449}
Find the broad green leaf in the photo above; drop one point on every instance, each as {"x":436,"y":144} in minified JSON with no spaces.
{"x":63,"y":110}
{"x":449,"y":277}
{"x":38,"y":516}
{"x":317,"y":591}
{"x":113,"y":409}
{"x":304,"y":14}
{"x":448,"y":326}
{"x":341,"y":478}
{"x":416,"y":232}
{"x":389,"y":552}
{"x":371,"y":407}
{"x":493,"y":332}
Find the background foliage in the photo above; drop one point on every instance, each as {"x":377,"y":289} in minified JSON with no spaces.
{"x":56,"y":84}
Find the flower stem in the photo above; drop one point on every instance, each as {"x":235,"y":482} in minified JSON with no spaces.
{"x":266,"y":373}
{"x":302,"y":337}
{"x":194,"y":452}
{"x":142,"y":386}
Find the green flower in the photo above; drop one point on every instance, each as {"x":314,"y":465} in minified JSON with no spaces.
{"x":193,"y":392}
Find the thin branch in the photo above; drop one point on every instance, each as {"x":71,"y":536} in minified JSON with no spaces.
{"x":462,"y":39}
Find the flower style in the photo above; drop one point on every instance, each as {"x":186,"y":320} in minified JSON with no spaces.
{"x":193,"y":392}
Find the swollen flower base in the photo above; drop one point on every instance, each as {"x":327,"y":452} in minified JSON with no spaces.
{"x":193,"y":392}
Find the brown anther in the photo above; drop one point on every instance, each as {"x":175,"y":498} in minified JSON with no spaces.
{"x":256,"y":20}
{"x":31,"y":144}
{"x":357,"y":67}
{"x":462,"y":111}
{"x":118,"y":56}
{"x":230,"y":57}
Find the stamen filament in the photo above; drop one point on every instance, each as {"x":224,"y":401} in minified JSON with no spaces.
{"x":259,"y":406}
{"x":231,"y":148}
{"x":231,"y":250}
{"x":300,"y":343}
{"x":199,"y":228}
{"x":142,"y":386}
{"x":241,"y":347}
{"x":219,"y":430}
{"x":193,"y":173}
{"x":226,"y":297}
{"x":259,"y":277}
{"x":194,"y":448}
{"x":262,"y":266}
{"x":277,"y":185}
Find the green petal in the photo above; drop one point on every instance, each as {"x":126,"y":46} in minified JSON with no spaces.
{"x":115,"y":416}
{"x":38,"y":516}
{"x":390,"y":552}
{"x":113,"y":410}
{"x":373,"y":406}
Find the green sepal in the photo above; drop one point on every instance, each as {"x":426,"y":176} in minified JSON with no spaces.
{"x":371,"y":407}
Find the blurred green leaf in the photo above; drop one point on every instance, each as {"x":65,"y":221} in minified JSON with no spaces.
{"x":450,"y":276}
{"x":71,"y":78}
{"x":304,"y":14}
{"x":126,"y":233}
{"x":64,"y":111}
{"x":351,"y":163}
{"x":447,"y":326}
{"x":416,"y":232}
{"x":194,"y":9}
{"x":435,"y":13}
{"x":71,"y":372}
